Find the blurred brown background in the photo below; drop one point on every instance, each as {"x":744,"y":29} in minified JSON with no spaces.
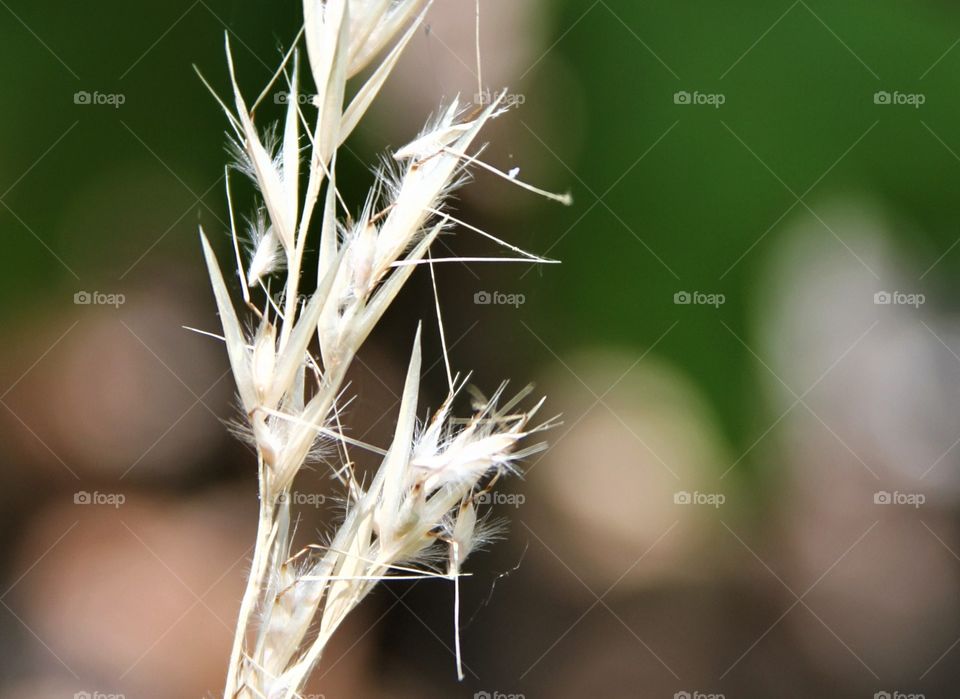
{"x":754,"y":339}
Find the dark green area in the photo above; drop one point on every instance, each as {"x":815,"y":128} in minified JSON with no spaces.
{"x":799,"y":99}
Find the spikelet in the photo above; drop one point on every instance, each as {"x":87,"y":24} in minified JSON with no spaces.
{"x":421,"y":506}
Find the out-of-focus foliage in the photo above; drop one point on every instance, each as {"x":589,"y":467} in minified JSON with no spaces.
{"x":799,"y":120}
